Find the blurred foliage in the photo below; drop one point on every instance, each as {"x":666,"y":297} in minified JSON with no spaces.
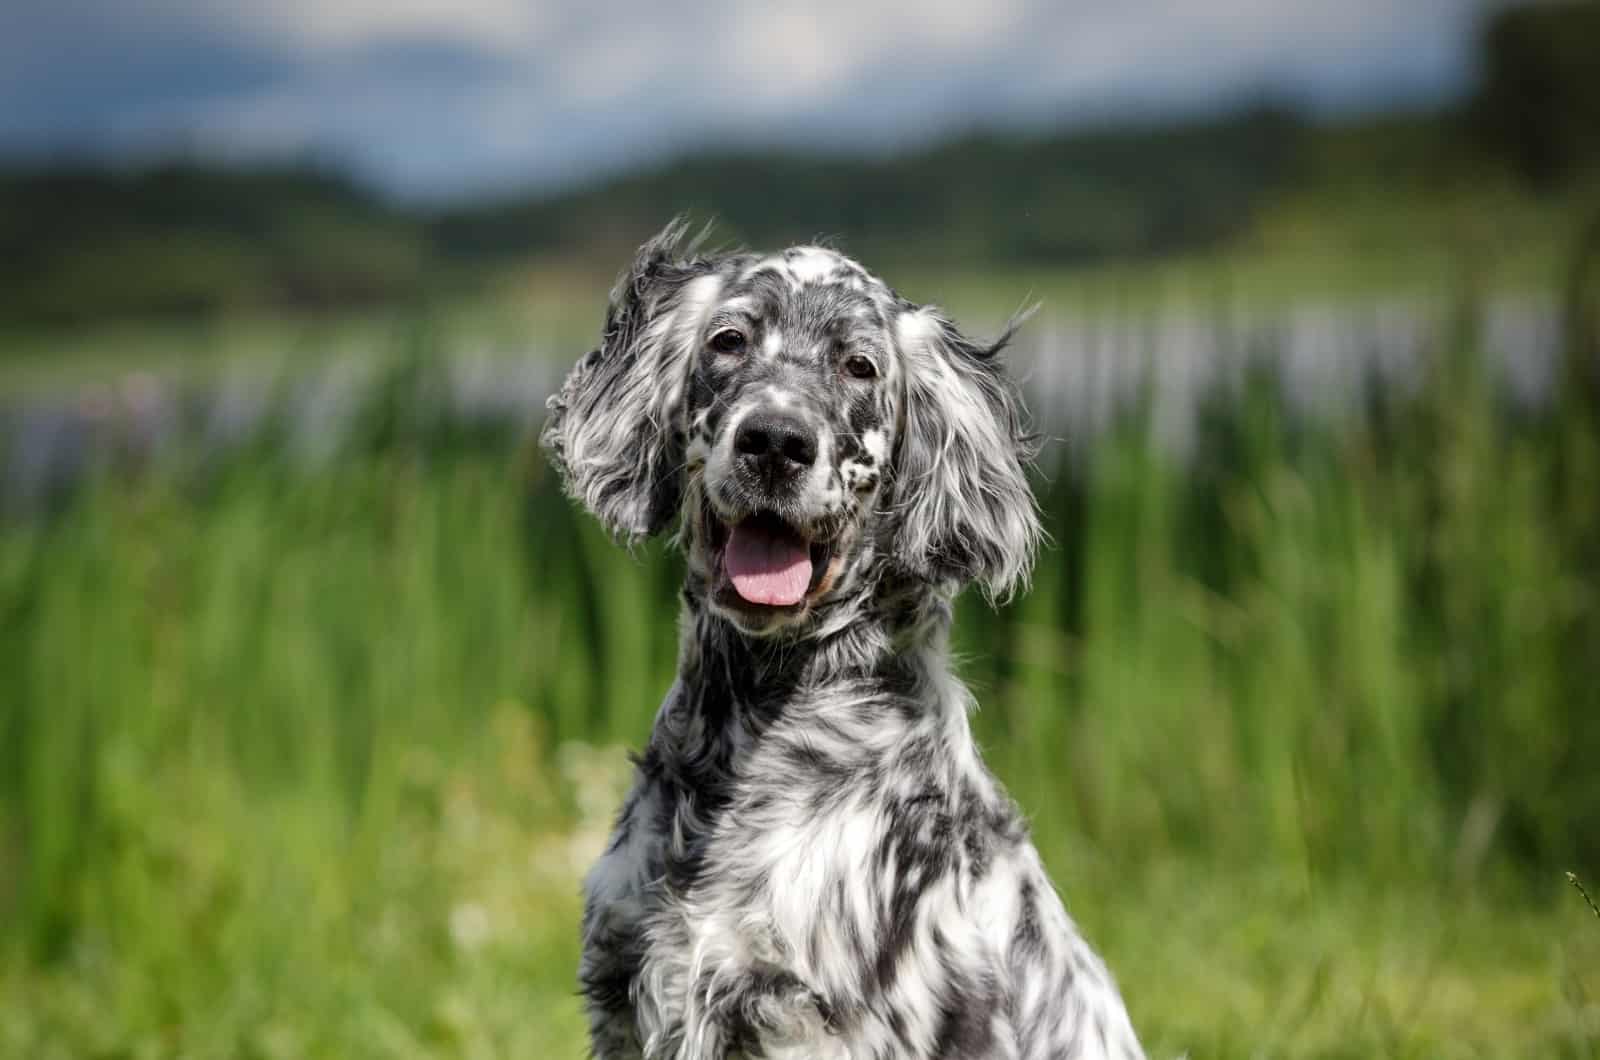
{"x":989,"y":197}
{"x":184,"y":239}
{"x":1539,"y":102}
{"x":78,"y":244}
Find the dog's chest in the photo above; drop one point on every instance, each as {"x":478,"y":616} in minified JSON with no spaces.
{"x":764,"y":913}
{"x":788,"y":859}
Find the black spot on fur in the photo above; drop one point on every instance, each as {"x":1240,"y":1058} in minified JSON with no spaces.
{"x":964,"y":1027}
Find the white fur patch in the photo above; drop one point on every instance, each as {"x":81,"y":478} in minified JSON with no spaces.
{"x":812,"y":265}
{"x":876,"y":442}
{"x":698,"y":297}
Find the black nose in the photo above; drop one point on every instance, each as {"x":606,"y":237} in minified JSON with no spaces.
{"x":777,"y":441}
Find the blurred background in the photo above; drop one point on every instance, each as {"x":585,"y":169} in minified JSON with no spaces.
{"x":314,"y":691}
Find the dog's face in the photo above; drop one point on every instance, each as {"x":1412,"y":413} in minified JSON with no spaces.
{"x":791,"y":410}
{"x":812,"y":429}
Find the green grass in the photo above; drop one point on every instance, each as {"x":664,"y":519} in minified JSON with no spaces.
{"x":309,"y":762}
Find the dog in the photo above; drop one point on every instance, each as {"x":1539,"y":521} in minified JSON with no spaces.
{"x":813,"y":861}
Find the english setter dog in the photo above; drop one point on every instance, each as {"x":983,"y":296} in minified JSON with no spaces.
{"x":813,"y":861}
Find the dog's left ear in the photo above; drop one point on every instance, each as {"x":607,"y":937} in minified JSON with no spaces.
{"x":965,"y":510}
{"x":616,"y":431}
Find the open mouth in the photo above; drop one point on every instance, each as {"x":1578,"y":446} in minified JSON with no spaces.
{"x":764,"y":563}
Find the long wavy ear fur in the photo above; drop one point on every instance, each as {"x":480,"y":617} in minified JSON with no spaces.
{"x":615,"y":431}
{"x":964,"y":509}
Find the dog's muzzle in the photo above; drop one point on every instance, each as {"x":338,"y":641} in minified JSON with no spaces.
{"x":769,"y":557}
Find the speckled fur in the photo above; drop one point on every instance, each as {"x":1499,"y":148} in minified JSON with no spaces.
{"x":813,"y":861}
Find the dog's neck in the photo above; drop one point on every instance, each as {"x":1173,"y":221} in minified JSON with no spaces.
{"x":864,"y":687}
{"x":891,"y":638}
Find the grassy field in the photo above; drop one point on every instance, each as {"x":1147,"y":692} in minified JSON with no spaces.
{"x":308,"y":762}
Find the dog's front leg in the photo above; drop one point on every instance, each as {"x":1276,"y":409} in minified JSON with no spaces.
{"x":616,"y":893}
{"x":606,"y":974}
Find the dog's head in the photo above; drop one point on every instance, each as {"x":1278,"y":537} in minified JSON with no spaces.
{"x":814,"y":431}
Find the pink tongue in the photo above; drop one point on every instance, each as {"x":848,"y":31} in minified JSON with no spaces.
{"x":767,"y":567}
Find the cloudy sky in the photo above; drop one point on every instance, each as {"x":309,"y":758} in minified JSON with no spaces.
{"x":445,"y":97}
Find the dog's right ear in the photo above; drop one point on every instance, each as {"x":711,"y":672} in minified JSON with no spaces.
{"x":959,"y":482}
{"x":616,"y":429}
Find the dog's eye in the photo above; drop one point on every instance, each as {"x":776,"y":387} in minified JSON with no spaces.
{"x":728,"y":340}
{"x":861,"y":367}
